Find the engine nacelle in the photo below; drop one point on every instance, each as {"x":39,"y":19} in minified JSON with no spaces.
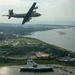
{"x":36,"y":7}
{"x":34,"y":12}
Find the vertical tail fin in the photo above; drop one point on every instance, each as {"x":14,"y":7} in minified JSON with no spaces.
{"x":10,"y":13}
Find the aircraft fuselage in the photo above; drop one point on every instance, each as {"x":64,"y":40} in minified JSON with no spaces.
{"x":23,"y":15}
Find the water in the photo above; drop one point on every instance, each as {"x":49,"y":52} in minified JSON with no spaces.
{"x":15,"y":70}
{"x":60,"y":37}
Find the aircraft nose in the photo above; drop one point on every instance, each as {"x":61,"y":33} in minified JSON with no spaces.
{"x":39,"y":14}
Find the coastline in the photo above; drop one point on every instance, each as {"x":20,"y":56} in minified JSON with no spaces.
{"x":39,"y":61}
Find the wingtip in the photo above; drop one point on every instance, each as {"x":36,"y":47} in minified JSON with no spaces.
{"x":23,"y":23}
{"x":35,"y":2}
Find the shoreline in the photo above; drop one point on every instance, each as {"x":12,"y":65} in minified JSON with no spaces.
{"x":39,"y":61}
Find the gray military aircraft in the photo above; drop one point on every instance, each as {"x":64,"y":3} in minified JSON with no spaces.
{"x":26,"y":17}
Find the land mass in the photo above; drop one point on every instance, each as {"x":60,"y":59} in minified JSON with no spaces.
{"x":15,"y":49}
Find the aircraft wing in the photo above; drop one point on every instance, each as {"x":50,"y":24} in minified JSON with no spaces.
{"x":26,"y":19}
{"x":28,"y":15}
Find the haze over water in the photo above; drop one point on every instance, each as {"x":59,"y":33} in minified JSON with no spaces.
{"x":64,"y":38}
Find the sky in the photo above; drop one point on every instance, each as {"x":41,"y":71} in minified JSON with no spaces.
{"x":52,"y":11}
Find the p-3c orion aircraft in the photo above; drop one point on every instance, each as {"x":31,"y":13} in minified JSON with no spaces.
{"x":26,"y":17}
